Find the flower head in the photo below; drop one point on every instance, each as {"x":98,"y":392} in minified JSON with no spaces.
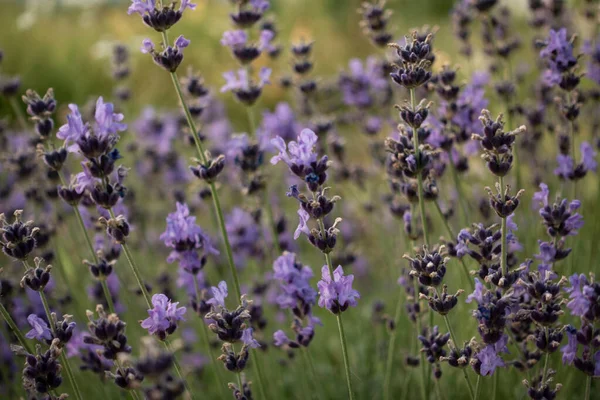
{"x":219,"y":295}
{"x":39,"y":329}
{"x":336,"y":294}
{"x":163,"y":317}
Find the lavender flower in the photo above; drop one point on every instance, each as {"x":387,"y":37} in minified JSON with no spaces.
{"x":488,"y":359}
{"x":160,"y":19}
{"x":558,"y":54}
{"x":170,"y":58}
{"x":39,"y":329}
{"x":296,"y":292}
{"x":245,"y":89}
{"x":163,"y":318}
{"x":336,"y":294}
{"x":219,"y":295}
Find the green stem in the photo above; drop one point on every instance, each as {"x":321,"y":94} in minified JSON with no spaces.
{"x":105,"y":290}
{"x":588,"y":387}
{"x":213,"y":189}
{"x":419,"y":176}
{"x":134,"y":268}
{"x":177,"y":367}
{"x":259,"y":374}
{"x":424,"y":380}
{"x":477,"y":387}
{"x":453,"y":236}
{"x":342,"y":336}
{"x":390,"y":352}
{"x":19,"y":113}
{"x":63,"y":358}
{"x":504,"y":244}
{"x":311,"y":368}
{"x":455,"y":343}
{"x":14,"y":328}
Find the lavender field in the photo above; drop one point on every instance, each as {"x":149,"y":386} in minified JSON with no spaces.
{"x":318,"y":199}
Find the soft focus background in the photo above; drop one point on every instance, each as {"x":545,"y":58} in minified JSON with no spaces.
{"x":67,"y":45}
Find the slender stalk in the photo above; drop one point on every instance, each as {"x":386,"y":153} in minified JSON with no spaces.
{"x":342,"y":336}
{"x":19,"y":113}
{"x":177,"y":367}
{"x":495,"y":386}
{"x":477,"y":387}
{"x":390,"y":352}
{"x":134,"y":268}
{"x":14,"y":328}
{"x":311,"y":368}
{"x":470,"y":386}
{"x":452,"y":235}
{"x":419,"y":176}
{"x":259,"y":373}
{"x":63,"y":358}
{"x":588,"y":387}
{"x":213,"y":189}
{"x":217,"y":371}
{"x":105,"y":290}
{"x":504,"y":244}
{"x":134,"y":395}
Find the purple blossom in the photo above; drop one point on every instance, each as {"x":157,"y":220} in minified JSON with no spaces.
{"x":239,"y":80}
{"x":107,"y":121}
{"x":281,"y":122}
{"x":280,"y":338}
{"x":565,"y":166}
{"x":244,"y":234}
{"x":147,"y":6}
{"x":155,"y":131}
{"x":302,"y":224}
{"x":301,"y":153}
{"x":294,"y":281}
{"x":558,"y":54}
{"x":234,"y":39}
{"x":164,"y":316}
{"x":39,"y":329}
{"x":336,"y":294}
{"x":266,"y":37}
{"x":489,"y":358}
{"x":362,"y":82}
{"x":588,"y":157}
{"x":540,"y":199}
{"x":578,"y":303}
{"x":219,"y":295}
{"x":184,"y":234}
{"x":74,"y":128}
{"x":569,"y":351}
{"x":248,"y":338}
{"x":477,"y":294}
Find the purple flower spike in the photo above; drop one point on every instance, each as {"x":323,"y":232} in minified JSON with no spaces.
{"x":219,"y":295}
{"x":337,"y":294}
{"x":39,"y":329}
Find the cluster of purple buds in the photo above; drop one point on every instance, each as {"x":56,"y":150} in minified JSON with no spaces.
{"x":567,"y":169}
{"x":164,"y":317}
{"x":244,"y":392}
{"x":159,"y":19}
{"x":363,"y":86}
{"x":108,"y":331}
{"x":248,"y":12}
{"x":560,"y":60}
{"x":374,"y":22}
{"x":171,"y":56}
{"x":245,"y":89}
{"x":18,"y":238}
{"x":41,"y":109}
{"x":433,"y":343}
{"x":497,"y":144}
{"x":189,"y":242}
{"x":492,"y":312}
{"x":586,"y":339}
{"x":36,"y":278}
{"x":302,"y":66}
{"x":248,"y":155}
{"x":561,"y":220}
{"x":42,"y":371}
{"x":243,"y":51}
{"x":196,"y":92}
{"x":121,"y":70}
{"x":503,"y":203}
{"x":231,"y":327}
{"x":413,"y":68}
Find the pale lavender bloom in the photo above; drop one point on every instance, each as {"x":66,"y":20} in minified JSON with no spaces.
{"x":588,"y":157}
{"x":569,"y":351}
{"x":147,"y":46}
{"x":239,"y":80}
{"x":477,"y":294}
{"x":39,"y":329}
{"x":260,"y":5}
{"x":181,"y":42}
{"x":156,"y":131}
{"x":219,"y":295}
{"x":540,"y":199}
{"x":248,"y":338}
{"x":74,"y":128}
{"x":565,"y":166}
{"x":579,"y":303}
{"x":244,"y":234}
{"x":295,"y":282}
{"x":84,"y":180}
{"x":163,"y":316}
{"x":302,"y":224}
{"x":234,"y":39}
{"x":336,"y":294}
{"x":183,"y":233}
{"x":301,"y":153}
{"x":141,"y":6}
{"x":266,"y":36}
{"x":280,"y":338}
{"x":281,"y":122}
{"x":362,"y":82}
{"x":107,"y":121}
{"x":489,"y":358}
{"x":558,"y":54}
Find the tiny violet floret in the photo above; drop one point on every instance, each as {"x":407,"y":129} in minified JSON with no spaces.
{"x":336,"y":294}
